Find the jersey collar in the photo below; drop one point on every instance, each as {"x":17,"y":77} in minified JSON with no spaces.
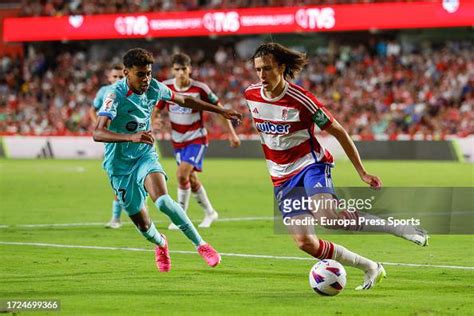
{"x":184,"y":88}
{"x":276,"y":98}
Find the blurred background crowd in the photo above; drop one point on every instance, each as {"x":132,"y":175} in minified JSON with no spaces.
{"x":379,"y":87}
{"x":89,"y":7}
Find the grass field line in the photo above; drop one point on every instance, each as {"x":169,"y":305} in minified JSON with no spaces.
{"x":229,"y":219}
{"x":240,"y":255}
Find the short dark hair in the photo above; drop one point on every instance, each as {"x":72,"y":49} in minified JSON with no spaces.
{"x":137,"y":57}
{"x":181,"y":59}
{"x":117,"y":66}
{"x":294,"y":61}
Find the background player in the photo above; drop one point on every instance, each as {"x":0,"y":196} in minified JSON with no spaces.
{"x":189,"y":137}
{"x":286,"y":116}
{"x":114,"y":74}
{"x":130,"y":157}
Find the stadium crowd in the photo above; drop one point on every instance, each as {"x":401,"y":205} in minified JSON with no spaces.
{"x":88,"y":7}
{"x":377,"y":92}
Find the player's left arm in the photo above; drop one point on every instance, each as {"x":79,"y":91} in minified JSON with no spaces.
{"x":336,"y":130}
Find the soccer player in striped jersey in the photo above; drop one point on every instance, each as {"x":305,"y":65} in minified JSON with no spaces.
{"x":189,"y":137}
{"x":286,"y":117}
{"x":114,"y":74}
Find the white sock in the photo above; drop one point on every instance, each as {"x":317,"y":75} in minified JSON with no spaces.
{"x":202,"y":199}
{"x":352,"y":259}
{"x":183,"y":198}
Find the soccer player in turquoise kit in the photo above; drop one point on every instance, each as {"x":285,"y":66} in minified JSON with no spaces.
{"x":130,"y":158}
{"x":115,"y":74}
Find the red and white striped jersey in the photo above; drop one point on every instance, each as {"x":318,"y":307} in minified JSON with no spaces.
{"x":286,"y":125}
{"x":187,"y":126}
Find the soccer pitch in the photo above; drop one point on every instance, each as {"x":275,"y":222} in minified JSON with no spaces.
{"x":93,"y":270}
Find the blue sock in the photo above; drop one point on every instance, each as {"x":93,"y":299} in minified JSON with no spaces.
{"x":177,"y":215}
{"x":152,"y":235}
{"x":116,"y":209}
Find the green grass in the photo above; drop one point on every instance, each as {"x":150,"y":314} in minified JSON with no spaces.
{"x":97,"y":281}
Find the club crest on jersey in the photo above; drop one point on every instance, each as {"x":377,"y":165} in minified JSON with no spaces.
{"x":109,"y":100}
{"x":271,"y":128}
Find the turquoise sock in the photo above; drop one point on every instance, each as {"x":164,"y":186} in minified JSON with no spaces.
{"x":176,"y":214}
{"x":152,"y":235}
{"x":116,"y":209}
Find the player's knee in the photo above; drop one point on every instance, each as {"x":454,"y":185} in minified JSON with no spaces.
{"x":183,"y":179}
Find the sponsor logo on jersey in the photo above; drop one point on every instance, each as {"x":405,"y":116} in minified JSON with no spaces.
{"x":175,"y":108}
{"x":255,"y":110}
{"x":271,"y":128}
{"x":134,"y":125}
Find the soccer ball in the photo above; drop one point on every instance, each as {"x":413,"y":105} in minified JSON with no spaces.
{"x":327,"y":277}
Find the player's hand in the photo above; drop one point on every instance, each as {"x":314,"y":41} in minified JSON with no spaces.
{"x":231,"y":114}
{"x":234,"y":141}
{"x":371,"y":180}
{"x":143,"y":137}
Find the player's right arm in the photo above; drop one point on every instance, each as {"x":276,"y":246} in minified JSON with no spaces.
{"x":107,"y":113}
{"x":102,"y":134}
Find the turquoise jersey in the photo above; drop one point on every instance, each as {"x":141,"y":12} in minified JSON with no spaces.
{"x":99,"y":97}
{"x":130,"y":113}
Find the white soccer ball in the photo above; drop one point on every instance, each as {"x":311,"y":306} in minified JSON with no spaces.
{"x":327,"y":277}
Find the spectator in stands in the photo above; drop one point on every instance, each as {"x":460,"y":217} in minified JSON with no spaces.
{"x":427,"y":94}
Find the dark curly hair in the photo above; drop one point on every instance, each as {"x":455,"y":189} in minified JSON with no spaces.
{"x":137,"y":57}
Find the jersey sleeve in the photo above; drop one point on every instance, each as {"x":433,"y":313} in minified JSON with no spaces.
{"x":319,"y":115}
{"x":207,"y":94}
{"x":109,"y":105}
{"x":163,"y":92}
{"x":98,"y":100}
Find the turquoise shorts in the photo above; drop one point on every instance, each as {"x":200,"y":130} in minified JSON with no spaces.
{"x":130,"y":188}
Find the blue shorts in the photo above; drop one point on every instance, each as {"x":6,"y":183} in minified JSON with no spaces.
{"x":193,"y":154}
{"x":312,"y":180}
{"x":130,"y":188}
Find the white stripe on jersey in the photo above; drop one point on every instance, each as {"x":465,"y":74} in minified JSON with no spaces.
{"x":203,"y":86}
{"x":184,"y":119}
{"x":284,"y":142}
{"x":268,"y":111}
{"x":281,"y":170}
{"x":312,"y":107}
{"x":191,"y":135}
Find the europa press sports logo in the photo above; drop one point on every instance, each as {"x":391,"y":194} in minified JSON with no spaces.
{"x":272,"y":128}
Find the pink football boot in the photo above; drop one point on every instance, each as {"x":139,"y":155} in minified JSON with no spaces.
{"x":209,"y":254}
